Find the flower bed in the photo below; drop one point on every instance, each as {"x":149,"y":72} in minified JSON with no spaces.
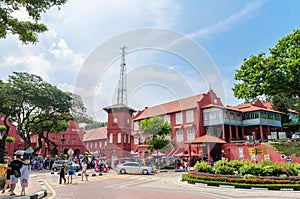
{"x":240,"y":182}
{"x":246,"y":175}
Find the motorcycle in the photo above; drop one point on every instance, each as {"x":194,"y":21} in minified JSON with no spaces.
{"x":101,"y":168}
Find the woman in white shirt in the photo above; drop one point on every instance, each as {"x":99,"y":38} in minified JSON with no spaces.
{"x":25,"y":176}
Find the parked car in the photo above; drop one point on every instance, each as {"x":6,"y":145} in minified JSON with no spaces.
{"x":133,"y":168}
{"x":296,"y":135}
{"x":57,"y":164}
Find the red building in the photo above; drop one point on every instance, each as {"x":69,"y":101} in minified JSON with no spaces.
{"x":70,"y":139}
{"x":95,"y":141}
{"x":11,"y":147}
{"x":203,"y":114}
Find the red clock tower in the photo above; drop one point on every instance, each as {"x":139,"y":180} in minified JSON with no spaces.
{"x":118,"y":132}
{"x":119,"y":121}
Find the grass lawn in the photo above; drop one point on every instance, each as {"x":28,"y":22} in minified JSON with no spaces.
{"x":287,"y":148}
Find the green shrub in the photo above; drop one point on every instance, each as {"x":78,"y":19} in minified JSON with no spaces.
{"x":169,"y":167}
{"x":248,"y":176}
{"x":253,"y":169}
{"x":236,"y":164}
{"x":226,"y":169}
{"x":203,"y":167}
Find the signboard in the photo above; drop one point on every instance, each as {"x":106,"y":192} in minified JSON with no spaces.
{"x":70,"y":152}
{"x":259,"y":151}
{"x":30,"y":150}
{"x":267,"y":157}
{"x":282,"y":135}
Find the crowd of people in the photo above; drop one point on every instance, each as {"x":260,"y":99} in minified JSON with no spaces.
{"x":17,"y":170}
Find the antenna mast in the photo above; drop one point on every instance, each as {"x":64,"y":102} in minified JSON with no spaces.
{"x":122,"y":89}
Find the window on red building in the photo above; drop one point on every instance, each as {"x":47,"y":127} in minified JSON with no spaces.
{"x":179,"y":135}
{"x":111,"y":138}
{"x":179,"y":118}
{"x":119,"y":140}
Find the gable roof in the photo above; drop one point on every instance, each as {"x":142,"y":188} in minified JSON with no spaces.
{"x":95,"y":134}
{"x":170,"y":107}
{"x":257,"y":105}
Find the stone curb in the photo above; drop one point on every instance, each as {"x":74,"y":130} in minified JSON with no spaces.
{"x":233,"y":187}
{"x":40,"y":194}
{"x":79,"y":174}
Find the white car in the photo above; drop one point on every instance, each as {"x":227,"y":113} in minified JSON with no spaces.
{"x":133,"y":168}
{"x":58,"y":163}
{"x":296,"y":135}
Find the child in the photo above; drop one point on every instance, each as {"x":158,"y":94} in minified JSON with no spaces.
{"x":83,"y":172}
{"x":70,"y":172}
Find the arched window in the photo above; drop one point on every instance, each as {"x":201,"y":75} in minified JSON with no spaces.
{"x":111,"y":138}
{"x":124,"y":140}
{"x":119,"y":137}
{"x":128,"y":139}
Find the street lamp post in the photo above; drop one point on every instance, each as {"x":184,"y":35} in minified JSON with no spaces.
{"x":254,"y":145}
{"x":62,"y":145}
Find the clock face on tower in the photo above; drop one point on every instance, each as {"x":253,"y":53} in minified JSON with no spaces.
{"x":115,"y":120}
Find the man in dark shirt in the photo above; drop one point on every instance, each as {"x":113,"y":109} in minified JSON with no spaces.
{"x":13,"y":166}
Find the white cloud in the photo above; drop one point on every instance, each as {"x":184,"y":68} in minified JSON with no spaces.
{"x":226,"y":23}
{"x":64,"y":54}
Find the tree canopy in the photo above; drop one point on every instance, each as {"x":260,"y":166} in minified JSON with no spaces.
{"x":277,"y":73}
{"x":35,"y":106}
{"x":157,"y":130}
{"x":26,"y":30}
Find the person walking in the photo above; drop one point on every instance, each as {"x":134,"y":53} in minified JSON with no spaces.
{"x":70,"y":173}
{"x":62,"y":173}
{"x":83,"y":171}
{"x":25,"y":176}
{"x":7,"y":176}
{"x":15,"y":167}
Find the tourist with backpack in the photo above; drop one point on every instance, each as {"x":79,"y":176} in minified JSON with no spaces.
{"x":15,"y":173}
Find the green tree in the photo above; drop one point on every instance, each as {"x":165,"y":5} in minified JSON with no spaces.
{"x":275,"y":77}
{"x":46,"y":123}
{"x":3,"y":135}
{"x":95,"y":124}
{"x":30,"y":102}
{"x":26,"y":30}
{"x":157,"y":130}
{"x":78,"y":110}
{"x":278,"y":73}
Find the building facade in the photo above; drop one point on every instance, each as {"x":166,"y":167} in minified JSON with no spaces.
{"x":95,"y":141}
{"x":203,"y":114}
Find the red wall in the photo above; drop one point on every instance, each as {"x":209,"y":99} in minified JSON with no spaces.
{"x":231,"y":152}
{"x":11,"y":147}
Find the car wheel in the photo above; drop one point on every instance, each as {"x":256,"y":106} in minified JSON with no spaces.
{"x":55,"y":169}
{"x":145,"y":172}
{"x":122,"y":171}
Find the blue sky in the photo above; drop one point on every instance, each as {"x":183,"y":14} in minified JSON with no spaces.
{"x":84,"y":38}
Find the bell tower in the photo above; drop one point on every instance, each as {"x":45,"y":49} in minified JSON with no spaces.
{"x":119,"y":121}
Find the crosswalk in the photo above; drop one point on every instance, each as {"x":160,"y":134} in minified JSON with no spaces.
{"x":132,"y":179}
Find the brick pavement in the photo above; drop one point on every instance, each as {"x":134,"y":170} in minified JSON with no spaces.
{"x":36,"y":189}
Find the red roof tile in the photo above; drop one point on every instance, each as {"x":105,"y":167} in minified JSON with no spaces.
{"x":207,"y":139}
{"x":170,"y":107}
{"x":95,"y":134}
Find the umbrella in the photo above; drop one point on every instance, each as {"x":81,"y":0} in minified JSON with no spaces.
{"x":22,"y":152}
